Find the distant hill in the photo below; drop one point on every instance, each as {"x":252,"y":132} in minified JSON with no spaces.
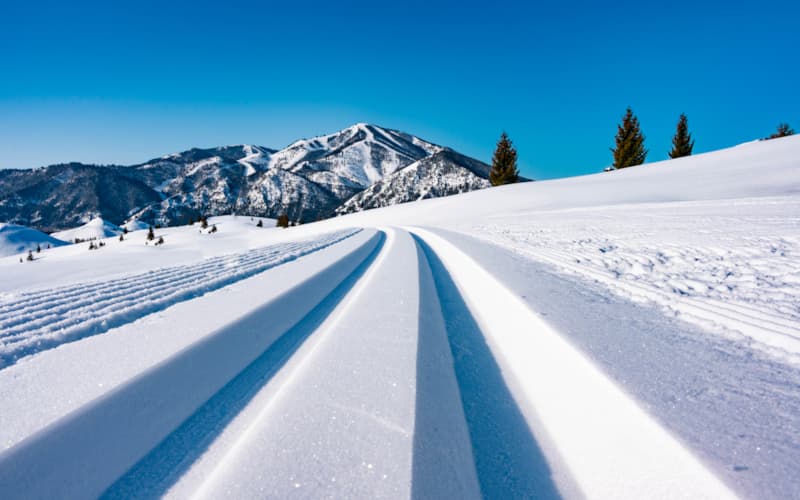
{"x":16,"y":239}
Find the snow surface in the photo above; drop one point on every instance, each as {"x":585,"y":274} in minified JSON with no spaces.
{"x":16,"y":239}
{"x":623,"y":335}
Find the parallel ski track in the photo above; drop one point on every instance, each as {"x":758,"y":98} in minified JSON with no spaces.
{"x":109,"y":434}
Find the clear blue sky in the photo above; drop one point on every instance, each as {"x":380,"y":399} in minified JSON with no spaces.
{"x":105,"y":82}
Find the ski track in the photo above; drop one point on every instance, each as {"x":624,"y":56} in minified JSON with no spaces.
{"x":36,"y":321}
{"x":446,"y":393}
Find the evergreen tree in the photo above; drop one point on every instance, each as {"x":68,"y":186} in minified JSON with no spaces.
{"x":629,"y":150}
{"x":783,"y":130}
{"x":504,"y":163}
{"x":682,"y":143}
{"x":283,"y":221}
{"x":150,"y":234}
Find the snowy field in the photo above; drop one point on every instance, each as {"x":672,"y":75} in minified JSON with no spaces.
{"x":633,"y":334}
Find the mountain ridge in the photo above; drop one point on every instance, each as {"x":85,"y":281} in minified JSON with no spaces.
{"x":309,"y":179}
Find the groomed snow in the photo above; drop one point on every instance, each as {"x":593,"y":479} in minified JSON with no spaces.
{"x":623,"y":335}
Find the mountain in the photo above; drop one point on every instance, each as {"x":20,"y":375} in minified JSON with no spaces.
{"x":69,"y":195}
{"x":444,"y":173}
{"x":360,"y":167}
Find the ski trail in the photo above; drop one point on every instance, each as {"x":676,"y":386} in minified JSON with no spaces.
{"x":370,"y":401}
{"x":116,"y":430}
{"x":593,"y":430}
{"x":45,"y":319}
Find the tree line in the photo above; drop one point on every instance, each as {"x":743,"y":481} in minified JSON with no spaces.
{"x":629,"y":147}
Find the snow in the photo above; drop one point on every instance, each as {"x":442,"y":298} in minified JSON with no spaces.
{"x":95,"y":229}
{"x":135,"y":225}
{"x":534,"y":356}
{"x":16,"y":239}
{"x":622,"y":335}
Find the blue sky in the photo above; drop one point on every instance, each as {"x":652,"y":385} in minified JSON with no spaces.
{"x":105,"y":82}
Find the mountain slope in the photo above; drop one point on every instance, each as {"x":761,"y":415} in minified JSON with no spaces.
{"x":68,"y":195}
{"x":442,"y":174}
{"x":307,"y":180}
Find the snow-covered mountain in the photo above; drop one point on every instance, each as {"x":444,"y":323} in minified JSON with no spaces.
{"x":443,"y":173}
{"x":308,"y":180}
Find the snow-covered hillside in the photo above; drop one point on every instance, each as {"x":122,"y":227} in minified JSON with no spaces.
{"x":19,"y":239}
{"x":95,"y":229}
{"x":444,"y":173}
{"x":632,"y":334}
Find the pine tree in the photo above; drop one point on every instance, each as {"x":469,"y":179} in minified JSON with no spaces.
{"x":629,"y":150}
{"x":283,"y":221}
{"x":783,"y":130}
{"x":682,"y":143}
{"x":150,"y":234}
{"x":504,"y":163}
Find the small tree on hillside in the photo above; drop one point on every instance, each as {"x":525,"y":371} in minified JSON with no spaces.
{"x":629,"y":150}
{"x":283,"y":221}
{"x":783,"y":130}
{"x":682,"y":143}
{"x":150,"y":234}
{"x":504,"y":163}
